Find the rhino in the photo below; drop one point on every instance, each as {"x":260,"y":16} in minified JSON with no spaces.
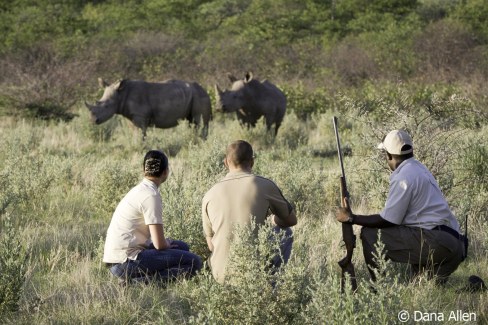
{"x":148,"y":104}
{"x":251,"y":99}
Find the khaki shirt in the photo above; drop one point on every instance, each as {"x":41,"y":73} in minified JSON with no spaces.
{"x":234,"y":200}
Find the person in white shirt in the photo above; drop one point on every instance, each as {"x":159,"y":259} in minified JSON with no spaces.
{"x":417,"y":225}
{"x":136,"y":246}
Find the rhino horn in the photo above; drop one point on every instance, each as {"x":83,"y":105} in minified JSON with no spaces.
{"x":90,"y":107}
{"x":102,"y":83}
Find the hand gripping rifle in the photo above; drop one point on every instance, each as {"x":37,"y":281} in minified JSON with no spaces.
{"x":347,"y":232}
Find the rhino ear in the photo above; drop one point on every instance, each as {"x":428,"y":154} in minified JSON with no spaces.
{"x":231,"y":77}
{"x":248,"y":76}
{"x":120,"y":84}
{"x":102,"y":83}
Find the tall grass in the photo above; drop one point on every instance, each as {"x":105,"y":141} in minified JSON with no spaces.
{"x":60,"y":183}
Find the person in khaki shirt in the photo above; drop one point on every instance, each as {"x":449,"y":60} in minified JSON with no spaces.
{"x":238,"y":198}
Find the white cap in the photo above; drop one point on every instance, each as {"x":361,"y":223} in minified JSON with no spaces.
{"x":394,"y":141}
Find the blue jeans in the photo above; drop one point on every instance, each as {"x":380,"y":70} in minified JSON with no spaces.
{"x":285,"y":247}
{"x":164,"y":265}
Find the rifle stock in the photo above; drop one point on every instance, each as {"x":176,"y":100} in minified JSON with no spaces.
{"x":347,"y":231}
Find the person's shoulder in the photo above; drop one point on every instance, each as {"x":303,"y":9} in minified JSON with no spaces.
{"x":413,"y":166}
{"x":413,"y":171}
{"x":215,"y":187}
{"x":265,"y":180}
{"x":146,"y":189}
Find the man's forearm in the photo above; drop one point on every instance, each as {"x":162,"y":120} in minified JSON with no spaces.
{"x":289,"y":221}
{"x":371,"y":221}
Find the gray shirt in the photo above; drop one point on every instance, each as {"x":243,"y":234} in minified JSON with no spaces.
{"x":415,"y":199}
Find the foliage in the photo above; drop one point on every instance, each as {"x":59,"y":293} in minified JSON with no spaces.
{"x":303,"y":103}
{"x":113,"y":181}
{"x":473,"y":13}
{"x":13,"y":266}
{"x":371,"y":304}
{"x":378,"y":65}
{"x":59,"y":46}
{"x":442,"y":115}
{"x":76,"y":182}
{"x":255,"y":294}
{"x":42,"y":84}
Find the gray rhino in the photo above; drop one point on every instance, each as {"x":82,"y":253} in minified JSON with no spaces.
{"x":251,"y":99}
{"x":153,"y":104}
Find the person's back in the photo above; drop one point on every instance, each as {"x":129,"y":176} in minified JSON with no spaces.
{"x":421,"y":202}
{"x":128,"y":232}
{"x":236,"y":200}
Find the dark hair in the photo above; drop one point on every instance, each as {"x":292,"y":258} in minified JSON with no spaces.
{"x":240,"y":153}
{"x":405,"y":156}
{"x":155,"y":163}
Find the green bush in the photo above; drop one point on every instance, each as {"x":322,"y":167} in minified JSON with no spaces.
{"x":113,"y":180}
{"x":14,"y":254}
{"x":250,"y":298}
{"x":303,"y":103}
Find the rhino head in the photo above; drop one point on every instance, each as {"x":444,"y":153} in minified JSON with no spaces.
{"x":230,"y":100}
{"x":107,"y":106}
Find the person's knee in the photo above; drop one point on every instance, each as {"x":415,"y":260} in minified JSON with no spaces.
{"x":368,"y":236}
{"x":181,"y":245}
{"x":197,"y":263}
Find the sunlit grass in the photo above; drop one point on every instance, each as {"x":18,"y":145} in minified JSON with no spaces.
{"x":65,"y":179}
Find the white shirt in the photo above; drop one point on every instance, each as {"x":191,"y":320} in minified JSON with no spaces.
{"x":128,"y":233}
{"x":415,"y":199}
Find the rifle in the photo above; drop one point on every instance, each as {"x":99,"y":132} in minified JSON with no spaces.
{"x":347,"y":231}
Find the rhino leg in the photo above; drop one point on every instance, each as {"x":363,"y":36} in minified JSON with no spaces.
{"x":269,"y":124}
{"x":205,"y":131}
{"x":141,"y":123}
{"x":144,"y":135}
{"x":277,"y":126}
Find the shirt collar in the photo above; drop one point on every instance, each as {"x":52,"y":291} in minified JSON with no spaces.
{"x":149,"y":183}
{"x":238,"y":173}
{"x":404,"y":163}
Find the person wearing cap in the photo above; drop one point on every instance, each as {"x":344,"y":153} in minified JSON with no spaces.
{"x":417,"y":225}
{"x":136,"y":247}
{"x":237,"y":199}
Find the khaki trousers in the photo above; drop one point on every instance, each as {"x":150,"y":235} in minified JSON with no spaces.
{"x":434,"y":250}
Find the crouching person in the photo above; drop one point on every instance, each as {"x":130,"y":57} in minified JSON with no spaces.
{"x":417,"y":225}
{"x":136,"y":247}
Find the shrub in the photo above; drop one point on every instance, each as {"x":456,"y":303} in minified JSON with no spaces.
{"x":304,"y":102}
{"x":329,"y":305}
{"x":353,"y":63}
{"x":13,"y":266}
{"x":445,"y":51}
{"x":25,"y":174}
{"x":42,"y":84}
{"x":114,"y":179}
{"x":250,"y":297}
{"x":437,"y":123}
